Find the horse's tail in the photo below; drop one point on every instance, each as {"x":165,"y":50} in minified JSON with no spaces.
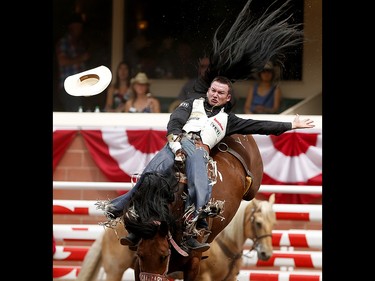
{"x":92,"y":261}
{"x":252,"y":41}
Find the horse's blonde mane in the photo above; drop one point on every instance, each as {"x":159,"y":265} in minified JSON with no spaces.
{"x":234,"y":230}
{"x":267,"y":211}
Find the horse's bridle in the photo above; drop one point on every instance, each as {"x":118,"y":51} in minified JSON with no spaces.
{"x":236,"y":256}
{"x":256,"y":238}
{"x":145,"y":276}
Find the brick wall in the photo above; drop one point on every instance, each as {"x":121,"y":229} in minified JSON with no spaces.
{"x":77,"y":165}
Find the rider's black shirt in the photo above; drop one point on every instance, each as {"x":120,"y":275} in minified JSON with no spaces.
{"x":236,"y":125}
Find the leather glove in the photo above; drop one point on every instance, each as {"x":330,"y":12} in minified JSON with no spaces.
{"x":175,"y":146}
{"x":174,"y":142}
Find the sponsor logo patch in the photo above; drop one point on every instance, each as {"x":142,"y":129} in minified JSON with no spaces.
{"x":184,"y":104}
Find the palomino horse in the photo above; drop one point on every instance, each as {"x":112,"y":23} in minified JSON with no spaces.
{"x":107,"y":252}
{"x":156,"y":212}
{"x":253,"y":220}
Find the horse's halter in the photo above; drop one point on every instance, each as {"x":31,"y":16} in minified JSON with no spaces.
{"x":145,"y":276}
{"x":256,"y":238}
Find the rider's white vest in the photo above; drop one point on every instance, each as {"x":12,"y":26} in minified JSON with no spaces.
{"x":212,"y":129}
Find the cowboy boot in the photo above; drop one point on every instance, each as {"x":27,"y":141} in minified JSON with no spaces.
{"x":131,"y":240}
{"x":202,"y":224}
{"x":193,"y":244}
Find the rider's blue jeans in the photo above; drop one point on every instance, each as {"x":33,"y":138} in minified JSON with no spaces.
{"x":196,"y":171}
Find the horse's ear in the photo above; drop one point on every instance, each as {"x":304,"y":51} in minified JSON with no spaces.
{"x":271,"y":199}
{"x":163,"y":229}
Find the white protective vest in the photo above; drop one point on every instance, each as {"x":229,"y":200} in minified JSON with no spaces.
{"x":212,"y":130}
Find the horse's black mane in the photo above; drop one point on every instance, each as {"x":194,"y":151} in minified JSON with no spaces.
{"x":149,"y":204}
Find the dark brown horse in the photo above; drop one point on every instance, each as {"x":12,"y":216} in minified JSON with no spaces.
{"x":157,"y":209}
{"x":253,"y":220}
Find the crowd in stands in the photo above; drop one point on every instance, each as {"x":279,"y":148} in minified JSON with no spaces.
{"x":174,"y":60}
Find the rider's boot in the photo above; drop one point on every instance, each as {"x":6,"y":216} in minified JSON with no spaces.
{"x":193,"y":244}
{"x":131,"y":240}
{"x":202,"y":224}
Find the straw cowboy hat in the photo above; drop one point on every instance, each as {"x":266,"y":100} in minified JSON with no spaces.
{"x":268,"y":66}
{"x":140,"y":78}
{"x":88,"y":83}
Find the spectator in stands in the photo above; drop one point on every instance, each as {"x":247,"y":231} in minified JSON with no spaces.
{"x":72,"y":56}
{"x":167,"y":60}
{"x":265,"y":95}
{"x":119,"y":91}
{"x":187,"y":89}
{"x":137,"y":53}
{"x":141,"y":99}
{"x":185,"y":61}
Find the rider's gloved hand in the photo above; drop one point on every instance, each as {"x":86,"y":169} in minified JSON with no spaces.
{"x":174,"y":142}
{"x":174,"y":146}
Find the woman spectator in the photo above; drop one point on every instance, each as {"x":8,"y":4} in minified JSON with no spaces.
{"x":119,"y":92}
{"x":265,"y":95}
{"x":141,"y":99}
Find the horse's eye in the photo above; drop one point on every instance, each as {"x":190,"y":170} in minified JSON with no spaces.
{"x":258,"y":224}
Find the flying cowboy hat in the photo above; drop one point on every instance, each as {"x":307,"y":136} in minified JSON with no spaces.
{"x":88,"y":83}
